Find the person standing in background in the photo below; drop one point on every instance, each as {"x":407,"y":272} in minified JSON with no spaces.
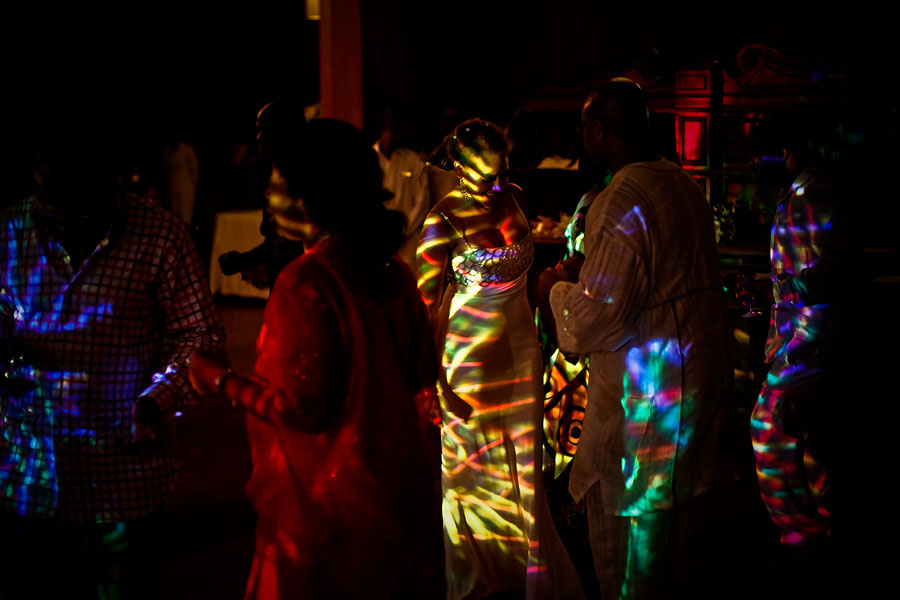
{"x":405,"y":175}
{"x":104,"y":299}
{"x":182,"y":174}
{"x":812,"y":252}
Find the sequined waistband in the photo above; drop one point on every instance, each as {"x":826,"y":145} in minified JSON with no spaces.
{"x":491,"y":289}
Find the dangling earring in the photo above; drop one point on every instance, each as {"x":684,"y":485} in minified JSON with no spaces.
{"x":463,"y":190}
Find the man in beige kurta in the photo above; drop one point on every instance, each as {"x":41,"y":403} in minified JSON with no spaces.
{"x":648,"y":308}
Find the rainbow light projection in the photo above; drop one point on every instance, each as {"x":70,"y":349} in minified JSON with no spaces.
{"x":488,"y":459}
{"x":491,"y":367}
{"x":791,"y":483}
{"x":653,"y":405}
{"x":29,"y":416}
{"x":34,"y":418}
{"x":565,"y":383}
{"x":91,"y":338}
{"x":658,"y":404}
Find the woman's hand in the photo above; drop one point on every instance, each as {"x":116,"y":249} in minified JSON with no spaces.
{"x":752,"y":291}
{"x":455,"y":405}
{"x":206,"y":369}
{"x":428,"y":406}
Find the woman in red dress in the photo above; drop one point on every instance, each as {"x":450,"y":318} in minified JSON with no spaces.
{"x":344,"y":464}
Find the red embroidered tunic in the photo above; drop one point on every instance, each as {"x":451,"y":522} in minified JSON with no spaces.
{"x":343,"y":463}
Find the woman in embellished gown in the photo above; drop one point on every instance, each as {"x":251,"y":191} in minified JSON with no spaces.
{"x":498,"y":534}
{"x":338,"y":407}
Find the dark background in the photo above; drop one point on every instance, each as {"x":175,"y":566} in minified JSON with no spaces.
{"x":143,"y":68}
{"x":211,"y":72}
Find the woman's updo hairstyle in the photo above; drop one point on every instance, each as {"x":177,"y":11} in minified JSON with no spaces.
{"x":334,"y":169}
{"x":475,"y":137}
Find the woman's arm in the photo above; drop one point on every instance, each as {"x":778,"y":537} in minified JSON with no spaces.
{"x":300,"y":379}
{"x":432,"y":254}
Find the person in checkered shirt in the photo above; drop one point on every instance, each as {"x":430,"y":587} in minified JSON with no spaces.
{"x":104,"y":299}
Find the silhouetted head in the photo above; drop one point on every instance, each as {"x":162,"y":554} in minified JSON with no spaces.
{"x":616,"y":125}
{"x":784,"y":144}
{"x":75,"y":170}
{"x":326,"y":178}
{"x":277,"y":121}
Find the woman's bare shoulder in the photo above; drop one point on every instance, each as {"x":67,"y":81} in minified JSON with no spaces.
{"x":451,"y":207}
{"x":439,"y":221}
{"x":449,"y":204}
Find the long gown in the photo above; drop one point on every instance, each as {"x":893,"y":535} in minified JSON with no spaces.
{"x":498,"y":533}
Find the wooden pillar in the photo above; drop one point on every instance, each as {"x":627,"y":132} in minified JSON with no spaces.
{"x":340,"y":61}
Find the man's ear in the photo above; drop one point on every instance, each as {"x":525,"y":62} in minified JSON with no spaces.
{"x":596,"y":127}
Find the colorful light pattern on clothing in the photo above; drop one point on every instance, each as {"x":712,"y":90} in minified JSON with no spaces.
{"x":334,"y":428}
{"x":473,"y":259}
{"x":96,"y":337}
{"x":652,"y":404}
{"x":648,"y":308}
{"x":489,"y":458}
{"x":497,"y":528}
{"x":806,"y":257}
{"x":565,"y":383}
{"x":793,"y":485}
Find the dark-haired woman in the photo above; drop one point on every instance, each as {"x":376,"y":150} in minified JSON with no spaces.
{"x":498,"y":534}
{"x":338,"y":405}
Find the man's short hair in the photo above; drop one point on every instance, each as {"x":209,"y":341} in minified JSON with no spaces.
{"x":621,"y":106}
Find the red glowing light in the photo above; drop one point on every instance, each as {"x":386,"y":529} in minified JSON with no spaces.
{"x":693,"y":141}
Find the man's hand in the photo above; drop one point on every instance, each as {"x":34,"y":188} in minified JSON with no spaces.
{"x":258,"y":276}
{"x":146,"y":425}
{"x":565,"y":270}
{"x":572,"y":266}
{"x":548,"y":278}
